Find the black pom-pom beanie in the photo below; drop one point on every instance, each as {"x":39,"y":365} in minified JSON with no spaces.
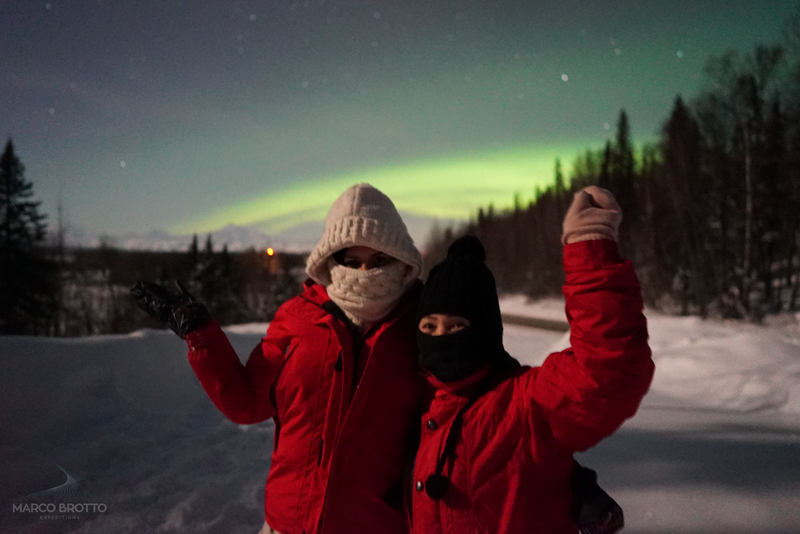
{"x":463,"y":285}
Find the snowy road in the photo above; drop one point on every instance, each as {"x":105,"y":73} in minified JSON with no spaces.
{"x":715,"y":447}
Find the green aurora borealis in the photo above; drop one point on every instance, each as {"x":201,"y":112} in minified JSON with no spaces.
{"x":446,"y":189}
{"x":189,"y":117}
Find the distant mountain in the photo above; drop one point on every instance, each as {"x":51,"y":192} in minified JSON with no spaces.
{"x":298,"y":238}
{"x":236,"y":237}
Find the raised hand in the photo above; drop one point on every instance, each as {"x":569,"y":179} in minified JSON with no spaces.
{"x":174,"y":307}
{"x":593,"y":214}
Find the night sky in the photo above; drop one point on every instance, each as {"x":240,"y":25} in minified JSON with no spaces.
{"x":187,"y":116}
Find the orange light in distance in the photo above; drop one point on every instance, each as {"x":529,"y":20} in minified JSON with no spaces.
{"x":270,"y":251}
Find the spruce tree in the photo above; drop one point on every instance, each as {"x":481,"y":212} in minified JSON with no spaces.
{"x":22,"y":226}
{"x":622,"y":177}
{"x":27,"y":278}
{"x":683,"y":228}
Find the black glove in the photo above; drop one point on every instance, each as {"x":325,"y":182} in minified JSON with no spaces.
{"x":593,"y":509}
{"x":173,"y":306}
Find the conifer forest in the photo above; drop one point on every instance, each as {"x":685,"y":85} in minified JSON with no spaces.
{"x":710,"y":208}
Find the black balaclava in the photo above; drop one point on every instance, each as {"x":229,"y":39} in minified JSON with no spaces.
{"x":461,"y":285}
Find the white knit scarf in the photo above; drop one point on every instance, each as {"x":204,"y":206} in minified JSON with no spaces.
{"x":367,"y":296}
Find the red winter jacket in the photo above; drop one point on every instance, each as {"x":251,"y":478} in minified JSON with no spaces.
{"x":511,"y":465}
{"x":337,"y":461}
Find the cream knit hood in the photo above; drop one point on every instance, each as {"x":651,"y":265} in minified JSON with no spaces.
{"x":363,"y":216}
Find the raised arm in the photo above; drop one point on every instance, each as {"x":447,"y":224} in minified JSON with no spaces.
{"x":586,"y":391}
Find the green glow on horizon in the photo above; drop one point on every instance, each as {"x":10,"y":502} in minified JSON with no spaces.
{"x":448,"y":188}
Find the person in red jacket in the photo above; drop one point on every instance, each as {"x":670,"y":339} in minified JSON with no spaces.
{"x":497,"y":440}
{"x":336,"y":371}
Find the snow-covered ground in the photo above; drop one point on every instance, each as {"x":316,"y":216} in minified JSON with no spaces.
{"x":714,"y":448}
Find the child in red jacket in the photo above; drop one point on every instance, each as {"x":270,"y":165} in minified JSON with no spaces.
{"x":497,"y":441}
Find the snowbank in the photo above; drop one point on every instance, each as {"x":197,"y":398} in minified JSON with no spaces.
{"x":125,"y":416}
{"x":708,"y":364}
{"x":730,"y":366}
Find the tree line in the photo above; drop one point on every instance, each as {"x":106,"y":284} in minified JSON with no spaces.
{"x":48,"y":289}
{"x":236,"y":287}
{"x":711,"y":209}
